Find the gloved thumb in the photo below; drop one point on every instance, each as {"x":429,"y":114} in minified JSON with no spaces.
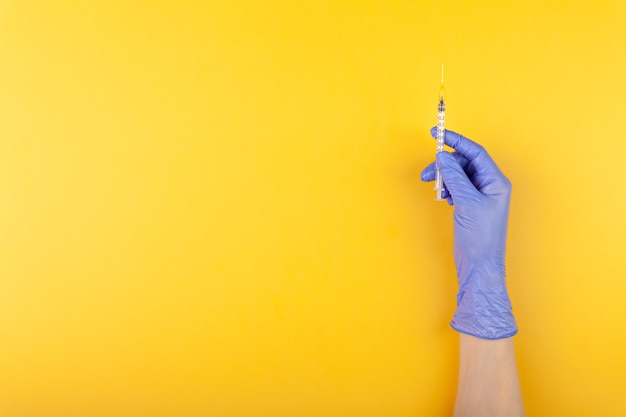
{"x":454,"y":177}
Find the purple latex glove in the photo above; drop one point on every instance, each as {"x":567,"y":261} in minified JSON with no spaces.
{"x":480,"y":194}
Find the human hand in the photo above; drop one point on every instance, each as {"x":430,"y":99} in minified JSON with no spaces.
{"x":480,"y":194}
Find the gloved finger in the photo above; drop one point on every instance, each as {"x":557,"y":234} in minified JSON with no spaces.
{"x":428,"y":174}
{"x":450,"y":202}
{"x":483,"y":171}
{"x":458,"y":184}
{"x":466,"y":147}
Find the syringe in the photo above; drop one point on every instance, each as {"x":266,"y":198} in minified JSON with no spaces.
{"x":441,"y":118}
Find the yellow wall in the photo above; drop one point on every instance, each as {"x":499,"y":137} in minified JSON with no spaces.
{"x":214,"y":209}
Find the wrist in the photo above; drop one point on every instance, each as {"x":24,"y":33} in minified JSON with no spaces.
{"x":483,"y":306}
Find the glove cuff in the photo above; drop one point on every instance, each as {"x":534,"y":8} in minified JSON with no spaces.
{"x":486,"y":315}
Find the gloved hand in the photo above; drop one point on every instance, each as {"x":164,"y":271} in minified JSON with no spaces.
{"x":480,"y":194}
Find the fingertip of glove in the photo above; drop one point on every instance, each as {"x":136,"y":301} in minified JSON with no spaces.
{"x":433,"y":131}
{"x":444,"y":156}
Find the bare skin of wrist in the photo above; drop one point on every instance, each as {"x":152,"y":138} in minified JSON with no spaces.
{"x":488,"y":379}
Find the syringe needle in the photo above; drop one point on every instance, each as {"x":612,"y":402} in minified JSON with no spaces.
{"x":441,"y":89}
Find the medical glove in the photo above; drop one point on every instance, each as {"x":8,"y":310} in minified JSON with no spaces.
{"x":480,"y":194}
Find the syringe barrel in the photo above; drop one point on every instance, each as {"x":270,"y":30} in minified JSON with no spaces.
{"x":441,"y":130}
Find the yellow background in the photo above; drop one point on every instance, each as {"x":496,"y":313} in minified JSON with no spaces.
{"x":214,"y":208}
